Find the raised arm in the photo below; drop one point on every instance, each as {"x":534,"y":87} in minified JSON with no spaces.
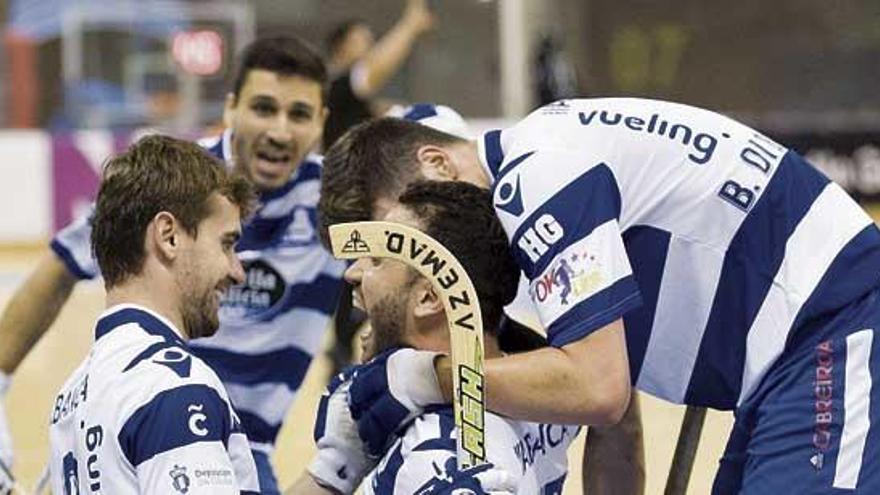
{"x":32,"y":310}
{"x":386,"y":57}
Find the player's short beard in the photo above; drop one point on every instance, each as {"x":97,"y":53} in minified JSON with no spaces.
{"x":198,"y":308}
{"x":387,"y":318}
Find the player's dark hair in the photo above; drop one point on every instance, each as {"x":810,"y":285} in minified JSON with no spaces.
{"x":156,"y":174}
{"x":373,"y":159}
{"x":460,"y":216}
{"x":284,"y":55}
{"x":340,"y":32}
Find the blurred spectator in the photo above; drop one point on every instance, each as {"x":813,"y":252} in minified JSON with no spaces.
{"x":360,"y":67}
{"x":555,"y":77}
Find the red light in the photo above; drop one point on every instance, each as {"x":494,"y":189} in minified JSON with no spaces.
{"x":198,"y":52}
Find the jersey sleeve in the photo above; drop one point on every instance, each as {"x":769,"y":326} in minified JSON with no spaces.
{"x":73,"y":246}
{"x":186,"y":439}
{"x":562,"y":216}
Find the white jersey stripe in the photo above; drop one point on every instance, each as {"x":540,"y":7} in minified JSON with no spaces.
{"x":683,"y":308}
{"x":857,"y":405}
{"x":795,"y":280}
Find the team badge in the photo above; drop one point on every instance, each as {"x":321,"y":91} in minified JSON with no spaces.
{"x":179,"y":479}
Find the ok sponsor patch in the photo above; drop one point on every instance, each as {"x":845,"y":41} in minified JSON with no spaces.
{"x":581,"y":270}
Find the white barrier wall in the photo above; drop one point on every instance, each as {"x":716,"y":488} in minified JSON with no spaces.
{"x":25,"y":186}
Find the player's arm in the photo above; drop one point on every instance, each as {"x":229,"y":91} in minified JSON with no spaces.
{"x":614,"y":456}
{"x":370,"y":74}
{"x":307,"y":485}
{"x":584,"y":382}
{"x":35,"y":305}
{"x":32,"y":310}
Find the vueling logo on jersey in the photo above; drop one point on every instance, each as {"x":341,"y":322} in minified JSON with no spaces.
{"x":702,"y":144}
{"x":536,"y":240}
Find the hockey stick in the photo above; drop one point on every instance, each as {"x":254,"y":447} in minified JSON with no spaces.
{"x":685,"y":451}
{"x":8,"y":485}
{"x":433,"y":261}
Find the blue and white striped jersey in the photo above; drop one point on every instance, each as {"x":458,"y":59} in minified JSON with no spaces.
{"x":420,"y":461}
{"x":141,"y":414}
{"x":272,"y":325}
{"x":714,"y":243}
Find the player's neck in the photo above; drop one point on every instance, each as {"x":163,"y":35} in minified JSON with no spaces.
{"x":148,"y":294}
{"x":470,"y":169}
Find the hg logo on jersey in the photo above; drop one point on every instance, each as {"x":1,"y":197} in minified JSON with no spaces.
{"x":179,"y":479}
{"x":569,"y":277}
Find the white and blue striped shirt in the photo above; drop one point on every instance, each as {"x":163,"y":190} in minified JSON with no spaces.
{"x":272,"y":325}
{"x":422,"y":460}
{"x":714,"y":243}
{"x":141,"y":414}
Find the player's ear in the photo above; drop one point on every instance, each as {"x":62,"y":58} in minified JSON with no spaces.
{"x":436,"y":162}
{"x":428,"y":302}
{"x":164,"y":236}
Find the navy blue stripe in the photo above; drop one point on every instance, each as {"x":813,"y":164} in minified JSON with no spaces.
{"x":750,"y":265}
{"x":584,"y":204}
{"x":494,"y":155}
{"x":148,"y":322}
{"x":306,"y":171}
{"x":387,"y":477}
{"x":321,"y":294}
{"x":263,"y":233}
{"x":147,"y":353}
{"x":647,"y":248}
{"x":510,"y":167}
{"x":854,"y":272}
{"x":589,"y":315}
{"x":216,"y":149}
{"x":420,"y":111}
{"x":69,"y":261}
{"x":286,"y":366}
{"x":175,"y":418}
{"x":256,"y":429}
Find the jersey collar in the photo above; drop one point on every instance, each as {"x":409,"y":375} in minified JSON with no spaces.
{"x":490,"y":152}
{"x":149,"y":321}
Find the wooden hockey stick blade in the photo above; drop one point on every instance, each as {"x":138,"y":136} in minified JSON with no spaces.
{"x":437,"y":264}
{"x":685,"y":451}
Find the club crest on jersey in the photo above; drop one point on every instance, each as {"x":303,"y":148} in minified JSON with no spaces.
{"x":179,"y":479}
{"x":258,"y":296}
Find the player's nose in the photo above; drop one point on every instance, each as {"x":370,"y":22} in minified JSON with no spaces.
{"x":355,"y":272}
{"x":236,"y":271}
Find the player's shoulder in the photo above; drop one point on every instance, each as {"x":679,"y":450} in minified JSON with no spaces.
{"x":147,"y":353}
{"x":219,"y":145}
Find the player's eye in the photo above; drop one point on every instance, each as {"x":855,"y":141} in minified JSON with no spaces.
{"x":375,"y":261}
{"x":300,"y":114}
{"x":263,"y":109}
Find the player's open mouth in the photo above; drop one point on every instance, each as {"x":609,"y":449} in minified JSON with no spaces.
{"x":273,"y":158}
{"x":356,"y":300}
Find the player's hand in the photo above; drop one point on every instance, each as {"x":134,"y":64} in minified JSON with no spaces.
{"x":485,"y":479}
{"x":418,"y":15}
{"x":341,"y":461}
{"x":389,"y":391}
